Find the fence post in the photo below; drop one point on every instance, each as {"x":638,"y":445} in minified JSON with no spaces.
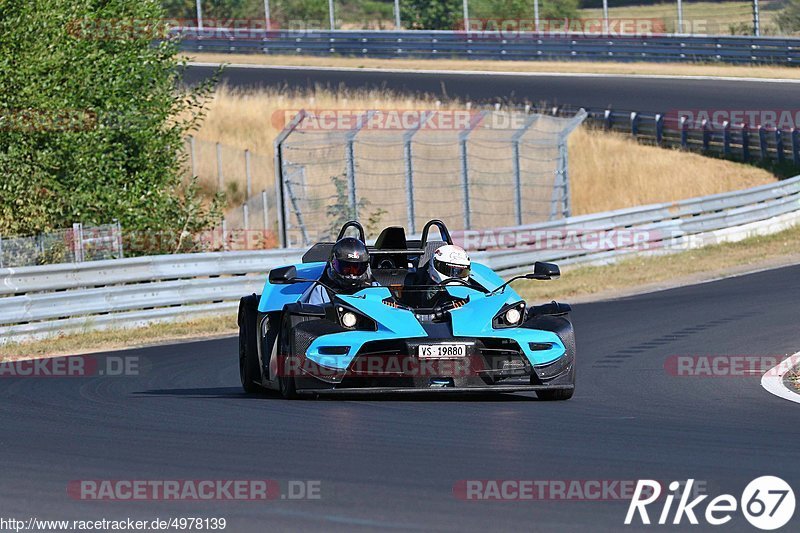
{"x":745,"y":142}
{"x":119,"y":239}
{"x":77,"y":241}
{"x":726,"y":138}
{"x":1,"y":251}
{"x":224,"y":235}
{"x":351,"y":161}
{"x":462,"y":139}
{"x":634,"y":123}
{"x":192,"y":156}
{"x":795,"y":146}
{"x":762,"y":142}
{"x":220,"y":179}
{"x":706,"y":135}
{"x":409,"y":168}
{"x":684,"y":133}
{"x":280,"y":199}
{"x":248,"y":177}
{"x":659,"y":128}
{"x":265,"y":208}
{"x":779,"y":144}
{"x":246,"y":216}
{"x":515,"y":140}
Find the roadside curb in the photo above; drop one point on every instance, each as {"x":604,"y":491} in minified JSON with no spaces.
{"x":774,"y":379}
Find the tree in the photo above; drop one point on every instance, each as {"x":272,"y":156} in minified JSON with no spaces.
{"x":92,"y":123}
{"x":431,"y":14}
{"x":789,"y":17}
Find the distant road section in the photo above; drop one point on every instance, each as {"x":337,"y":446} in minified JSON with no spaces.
{"x":620,"y":92}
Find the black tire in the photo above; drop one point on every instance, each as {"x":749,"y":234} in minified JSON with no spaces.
{"x":249,"y":371}
{"x":561,"y":326}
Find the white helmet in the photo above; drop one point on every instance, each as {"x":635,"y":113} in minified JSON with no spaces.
{"x":449,"y":262}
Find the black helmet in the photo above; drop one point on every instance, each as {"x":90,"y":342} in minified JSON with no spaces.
{"x":349,"y":264}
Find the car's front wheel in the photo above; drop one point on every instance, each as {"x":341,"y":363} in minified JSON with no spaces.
{"x":249,"y":371}
{"x":286,"y":366}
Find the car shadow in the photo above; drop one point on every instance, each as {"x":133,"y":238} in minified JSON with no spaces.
{"x":209,"y":392}
{"x":237,"y":393}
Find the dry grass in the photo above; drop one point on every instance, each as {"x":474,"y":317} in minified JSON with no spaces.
{"x":608,"y":171}
{"x":657,"y":69}
{"x":95,"y":341}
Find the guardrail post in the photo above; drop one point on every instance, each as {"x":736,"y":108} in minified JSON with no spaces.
{"x":706,"y":135}
{"x":220,"y":178}
{"x":795,"y":146}
{"x":762,"y":142}
{"x":634,"y":123}
{"x":515,"y":140}
{"x":462,"y":139}
{"x":607,"y":119}
{"x":684,"y":133}
{"x":779,"y":144}
{"x":726,"y":138}
{"x":659,"y":128}
{"x":745,"y":142}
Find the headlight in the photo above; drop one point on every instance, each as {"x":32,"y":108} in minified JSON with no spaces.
{"x":510,"y":316}
{"x":513,"y":316}
{"x":348,"y":320}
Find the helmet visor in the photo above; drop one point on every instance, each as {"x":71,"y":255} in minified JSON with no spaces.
{"x":451,"y":270}
{"x":350,"y":269}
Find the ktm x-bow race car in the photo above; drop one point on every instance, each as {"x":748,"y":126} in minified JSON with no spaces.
{"x":473,"y":334}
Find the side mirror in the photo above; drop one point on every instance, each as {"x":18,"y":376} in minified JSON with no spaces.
{"x":544,"y":271}
{"x":283,"y":275}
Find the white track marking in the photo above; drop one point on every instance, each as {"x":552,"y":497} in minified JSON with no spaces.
{"x":773,"y":379}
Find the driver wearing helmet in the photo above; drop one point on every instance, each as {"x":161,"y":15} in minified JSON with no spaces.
{"x":347,"y":272}
{"x":448,"y":262}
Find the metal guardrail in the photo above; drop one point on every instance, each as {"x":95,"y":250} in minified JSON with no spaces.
{"x":682,"y":129}
{"x":493,"y":45}
{"x":45,"y":300}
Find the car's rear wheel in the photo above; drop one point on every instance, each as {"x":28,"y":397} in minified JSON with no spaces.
{"x":249,"y":371}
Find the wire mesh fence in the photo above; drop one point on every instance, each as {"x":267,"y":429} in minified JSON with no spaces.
{"x":73,"y":245}
{"x":472,"y":168}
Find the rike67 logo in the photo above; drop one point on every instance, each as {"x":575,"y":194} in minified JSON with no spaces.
{"x":767,"y":503}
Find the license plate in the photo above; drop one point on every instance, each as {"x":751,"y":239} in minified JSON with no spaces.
{"x":442,"y":351}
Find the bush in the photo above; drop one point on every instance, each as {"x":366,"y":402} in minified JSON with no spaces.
{"x":789,"y":18}
{"x":92,"y":123}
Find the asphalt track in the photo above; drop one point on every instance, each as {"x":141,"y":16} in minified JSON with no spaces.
{"x":392,"y":463}
{"x":642,"y":94}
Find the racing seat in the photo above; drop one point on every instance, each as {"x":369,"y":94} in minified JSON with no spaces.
{"x":391,"y":238}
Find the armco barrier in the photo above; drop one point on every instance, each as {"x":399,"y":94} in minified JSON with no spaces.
{"x":493,"y":45}
{"x":45,"y":300}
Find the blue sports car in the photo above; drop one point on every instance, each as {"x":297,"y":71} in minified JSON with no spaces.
{"x":395,"y":335}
